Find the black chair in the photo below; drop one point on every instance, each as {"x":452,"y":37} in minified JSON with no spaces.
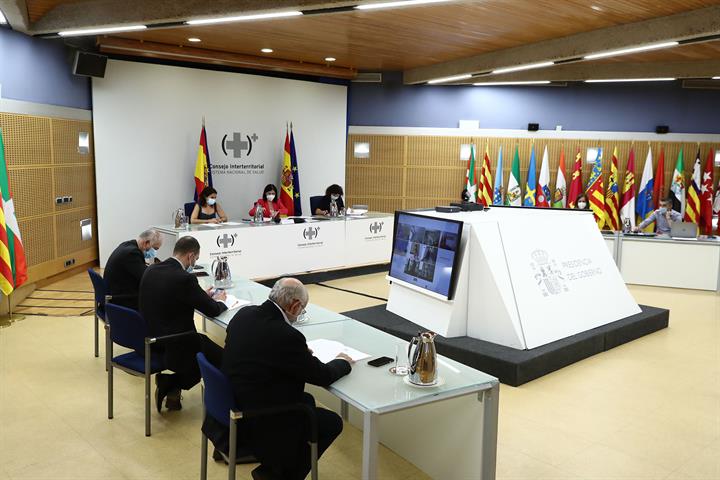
{"x":189,"y":209}
{"x":127,"y":328}
{"x":315,"y":203}
{"x":100,"y":289}
{"x":219,"y":403}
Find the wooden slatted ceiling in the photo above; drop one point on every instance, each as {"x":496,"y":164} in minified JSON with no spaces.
{"x":409,"y":37}
{"x":38,"y":8}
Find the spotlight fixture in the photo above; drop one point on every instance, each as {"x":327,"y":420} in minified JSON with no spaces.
{"x":244,"y":18}
{"x":194,"y":39}
{"x":532,"y":82}
{"x":267,"y":50}
{"x":330,"y":59}
{"x":404,"y":3}
{"x":523,"y":67}
{"x":617,"y":80}
{"x":449,"y":79}
{"x":625,"y":51}
{"x":99,"y":31}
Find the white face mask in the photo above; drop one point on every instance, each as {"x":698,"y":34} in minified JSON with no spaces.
{"x":211,"y":201}
{"x":582,"y":205}
{"x":270,"y":197}
{"x":334,"y":197}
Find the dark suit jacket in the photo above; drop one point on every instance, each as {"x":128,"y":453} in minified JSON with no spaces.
{"x":268,"y":364}
{"x":123,"y":272}
{"x":169,"y":297}
{"x":324,"y":203}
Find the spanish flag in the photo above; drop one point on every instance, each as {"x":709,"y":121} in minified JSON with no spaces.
{"x":13,"y":267}
{"x":203,"y":177}
{"x":287,"y":190}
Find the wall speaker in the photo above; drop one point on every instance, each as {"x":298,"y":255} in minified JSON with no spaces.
{"x":662,"y":129}
{"x":533,"y":127}
{"x":89,"y":64}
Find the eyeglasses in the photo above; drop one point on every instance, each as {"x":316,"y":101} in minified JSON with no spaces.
{"x":303,"y":317}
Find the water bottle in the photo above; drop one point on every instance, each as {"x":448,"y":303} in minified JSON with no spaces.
{"x":333,"y":208}
{"x":259,"y":211}
{"x":626,"y":225}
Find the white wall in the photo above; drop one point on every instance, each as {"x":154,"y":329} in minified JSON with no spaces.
{"x":147,"y":121}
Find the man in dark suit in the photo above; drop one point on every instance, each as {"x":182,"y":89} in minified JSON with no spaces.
{"x":268,"y":363}
{"x":169,"y":296}
{"x":126,"y":265}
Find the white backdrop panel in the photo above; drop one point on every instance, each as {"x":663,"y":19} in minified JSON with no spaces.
{"x":147,"y":121}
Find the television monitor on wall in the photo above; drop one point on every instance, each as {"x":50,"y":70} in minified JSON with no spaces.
{"x":426,"y":252}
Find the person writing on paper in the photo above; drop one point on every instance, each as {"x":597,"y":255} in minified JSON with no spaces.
{"x":333,"y":193}
{"x":268,"y":363}
{"x":207,"y":209}
{"x":126,"y":266}
{"x":663,"y":218}
{"x":271,"y":204}
{"x":169,"y":296}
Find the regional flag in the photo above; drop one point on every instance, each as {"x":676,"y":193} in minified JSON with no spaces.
{"x":13,"y":267}
{"x":287,"y":196}
{"x":560,"y":185}
{"x":645,"y":207}
{"x":203,"y":175}
{"x":706,"y":195}
{"x":677,"y":187}
{"x":692,"y":205}
{"x":595,"y":194}
{"x":470,"y":183}
{"x":498,"y":189}
{"x":514,"y":193}
{"x":576,"y":186}
{"x":627,"y":202}
{"x":531,"y":184}
{"x":612,"y":197}
{"x":296,"y":208}
{"x":659,"y":182}
{"x":543,"y":184}
{"x":486,"y":183}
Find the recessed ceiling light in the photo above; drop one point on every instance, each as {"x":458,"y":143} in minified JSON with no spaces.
{"x":3,"y":21}
{"x":716,"y":78}
{"x":266,"y":50}
{"x":194,"y":39}
{"x":330,"y":59}
{"x":244,"y":18}
{"x":97,"y":31}
{"x":449,"y":79}
{"x":533,"y":82}
{"x":615,"y":80}
{"x":523,"y":67}
{"x":596,"y":8}
{"x":625,"y":51}
{"x":404,"y":3}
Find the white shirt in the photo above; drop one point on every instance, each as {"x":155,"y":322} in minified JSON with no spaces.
{"x":283,"y":313}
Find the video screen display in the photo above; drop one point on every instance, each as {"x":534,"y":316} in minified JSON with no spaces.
{"x":425,"y":252}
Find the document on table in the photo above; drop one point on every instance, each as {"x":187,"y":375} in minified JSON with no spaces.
{"x":232,"y":224}
{"x":212,"y":225}
{"x":327,"y":350}
{"x":231,"y":302}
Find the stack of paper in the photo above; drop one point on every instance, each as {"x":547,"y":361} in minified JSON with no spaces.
{"x":231,"y":302}
{"x":327,"y":350}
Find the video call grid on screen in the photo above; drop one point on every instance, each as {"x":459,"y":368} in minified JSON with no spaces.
{"x":424,"y":252}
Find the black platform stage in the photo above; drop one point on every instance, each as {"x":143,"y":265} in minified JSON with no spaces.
{"x":515,"y":367}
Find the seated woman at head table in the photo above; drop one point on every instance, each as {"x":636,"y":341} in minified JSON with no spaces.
{"x":207,"y":209}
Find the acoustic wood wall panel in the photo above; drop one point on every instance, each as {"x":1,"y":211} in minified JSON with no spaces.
{"x":372,"y":180}
{"x":38,"y":239}
{"x":77,"y":181}
{"x":436,"y":151}
{"x":428,"y":182}
{"x":32,"y":191}
{"x":387,"y":150}
{"x":67,"y":227}
{"x":27,"y":139}
{"x":65,"y":136}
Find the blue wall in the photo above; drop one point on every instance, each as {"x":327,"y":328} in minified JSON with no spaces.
{"x":40,"y":71}
{"x":605,"y":107}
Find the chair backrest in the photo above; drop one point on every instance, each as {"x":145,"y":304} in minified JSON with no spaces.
{"x":219,"y":399}
{"x":315,"y":203}
{"x":127,"y":327}
{"x":100,"y":289}
{"x":188,"y":209}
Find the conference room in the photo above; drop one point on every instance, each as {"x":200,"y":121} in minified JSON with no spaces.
{"x":367,"y":239}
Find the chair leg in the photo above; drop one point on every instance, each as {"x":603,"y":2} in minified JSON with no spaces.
{"x":232,"y":450}
{"x":97,"y":335}
{"x":203,"y":457}
{"x":148,"y":378}
{"x":314,"y":461}
{"x":108,"y":352}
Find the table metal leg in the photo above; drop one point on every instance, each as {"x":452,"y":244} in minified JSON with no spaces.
{"x":370,"y":446}
{"x":344,"y":410}
{"x":204,"y":324}
{"x":490,"y":400}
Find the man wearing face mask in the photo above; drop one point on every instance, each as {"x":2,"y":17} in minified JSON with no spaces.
{"x":169,"y":296}
{"x":270,"y":204}
{"x":663,"y":218}
{"x":126,"y":266}
{"x":268,"y":363}
{"x":333,"y":193}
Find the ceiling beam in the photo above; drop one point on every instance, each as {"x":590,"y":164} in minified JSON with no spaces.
{"x":139,"y":48}
{"x":104,"y":13}
{"x":577,"y":72}
{"x":15,"y":12}
{"x":687,"y":25}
